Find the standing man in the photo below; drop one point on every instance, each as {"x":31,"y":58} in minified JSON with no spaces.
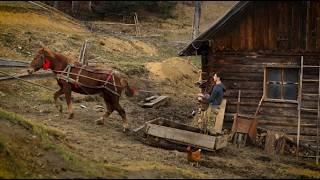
{"x":216,"y":96}
{"x":214,"y":99}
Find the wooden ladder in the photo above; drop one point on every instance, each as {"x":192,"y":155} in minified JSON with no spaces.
{"x":312,"y":110}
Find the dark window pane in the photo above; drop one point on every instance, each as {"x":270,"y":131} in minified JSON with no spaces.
{"x":290,"y":91}
{"x":274,"y":91}
{"x":291,"y":75}
{"x":274,"y":74}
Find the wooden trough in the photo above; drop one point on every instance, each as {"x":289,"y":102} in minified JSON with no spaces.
{"x":169,"y":134}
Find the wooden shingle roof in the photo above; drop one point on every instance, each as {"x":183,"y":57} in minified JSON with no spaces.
{"x":191,"y":47}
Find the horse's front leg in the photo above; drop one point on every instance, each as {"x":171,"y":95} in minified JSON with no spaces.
{"x":122,"y":113}
{"x":55,"y":97}
{"x":109,"y":107}
{"x":67,"y":93}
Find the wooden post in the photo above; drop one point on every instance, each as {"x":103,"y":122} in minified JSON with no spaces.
{"x":238,"y":103}
{"x":307,"y":26}
{"x":318,"y":119}
{"x":196,"y":19}
{"x":299,"y":105}
{"x":259,"y":106}
{"x":82,"y":58}
{"x":136,"y":22}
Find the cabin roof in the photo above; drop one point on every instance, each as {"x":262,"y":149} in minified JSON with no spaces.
{"x":191,"y":47}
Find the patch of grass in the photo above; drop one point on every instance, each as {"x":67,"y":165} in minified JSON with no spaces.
{"x":9,"y":168}
{"x":43,"y":132}
{"x":29,"y":19}
{"x":89,"y":168}
{"x":304,"y":173}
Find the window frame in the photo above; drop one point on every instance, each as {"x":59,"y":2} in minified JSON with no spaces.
{"x":282,"y":68}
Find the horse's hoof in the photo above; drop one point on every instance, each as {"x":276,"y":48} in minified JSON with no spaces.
{"x":99,"y":122}
{"x":71,"y":116}
{"x":60,"y":108}
{"x":125,"y":130}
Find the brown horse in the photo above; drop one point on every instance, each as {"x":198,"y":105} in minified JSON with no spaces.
{"x":83,"y":80}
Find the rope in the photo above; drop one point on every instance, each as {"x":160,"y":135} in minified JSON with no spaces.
{"x":86,"y":77}
{"x":60,"y":76}
{"x":28,"y":81}
{"x":86,"y":91}
{"x":196,"y":48}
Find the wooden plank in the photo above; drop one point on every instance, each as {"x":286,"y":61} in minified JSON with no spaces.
{"x":156,"y":102}
{"x":181,"y":135}
{"x":13,"y":63}
{"x":142,"y":126}
{"x":220,"y":116}
{"x":270,"y":145}
{"x":148,"y":99}
{"x":165,"y":122}
{"x":221,"y":141}
{"x":26,"y":75}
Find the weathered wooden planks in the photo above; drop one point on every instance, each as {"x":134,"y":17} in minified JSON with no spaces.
{"x":13,"y":63}
{"x":154,"y":101}
{"x":271,"y":26}
{"x":220,"y":117}
{"x":183,"y":136}
{"x":26,"y":76}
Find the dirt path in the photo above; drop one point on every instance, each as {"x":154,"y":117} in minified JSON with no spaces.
{"x":107,"y":145}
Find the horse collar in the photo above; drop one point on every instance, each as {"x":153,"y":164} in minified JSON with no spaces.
{"x":46,"y":64}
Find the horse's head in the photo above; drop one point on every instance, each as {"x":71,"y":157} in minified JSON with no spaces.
{"x":40,"y":60}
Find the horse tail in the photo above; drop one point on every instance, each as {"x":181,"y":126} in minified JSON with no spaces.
{"x":129,"y":91}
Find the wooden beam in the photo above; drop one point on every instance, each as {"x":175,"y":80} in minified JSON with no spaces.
{"x":25,"y":76}
{"x":13,"y":63}
{"x":318,"y":119}
{"x":299,"y":105}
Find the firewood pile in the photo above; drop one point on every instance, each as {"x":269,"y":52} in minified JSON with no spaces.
{"x":286,"y":146}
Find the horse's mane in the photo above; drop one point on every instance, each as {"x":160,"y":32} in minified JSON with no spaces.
{"x":57,"y":56}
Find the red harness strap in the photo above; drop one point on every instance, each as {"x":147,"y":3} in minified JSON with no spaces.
{"x":109,"y":77}
{"x":76,"y":85}
{"x":46,"y":65}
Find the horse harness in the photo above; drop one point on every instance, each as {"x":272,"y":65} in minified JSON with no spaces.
{"x":65,"y":75}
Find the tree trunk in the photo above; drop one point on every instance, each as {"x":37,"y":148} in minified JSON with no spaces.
{"x":196,"y":19}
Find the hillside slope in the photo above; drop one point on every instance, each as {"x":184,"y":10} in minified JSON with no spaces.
{"x":36,"y":141}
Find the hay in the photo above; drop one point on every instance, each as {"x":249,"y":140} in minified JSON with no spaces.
{"x":173,"y":69}
{"x":146,"y":48}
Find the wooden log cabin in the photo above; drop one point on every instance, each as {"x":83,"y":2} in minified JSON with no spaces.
{"x":259,"y":47}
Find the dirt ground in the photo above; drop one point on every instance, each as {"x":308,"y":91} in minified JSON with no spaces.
{"x":85,"y":149}
{"x":109,"y":146}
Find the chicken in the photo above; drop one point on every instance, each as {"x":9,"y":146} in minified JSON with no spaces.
{"x":193,"y":156}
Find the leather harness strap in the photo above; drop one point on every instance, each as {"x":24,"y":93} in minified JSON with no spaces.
{"x":77,"y":80}
{"x":77,"y":83}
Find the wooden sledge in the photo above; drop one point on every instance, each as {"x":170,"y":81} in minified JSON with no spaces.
{"x":174,"y":134}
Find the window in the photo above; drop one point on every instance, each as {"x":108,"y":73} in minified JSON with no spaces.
{"x":281,"y":83}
